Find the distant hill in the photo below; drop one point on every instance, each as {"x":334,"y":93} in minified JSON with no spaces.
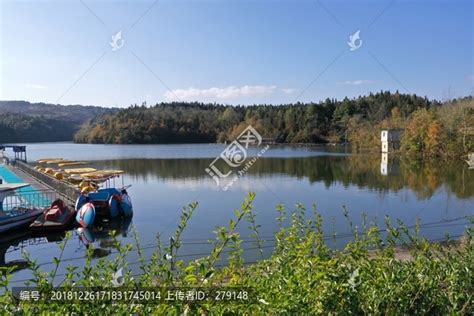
{"x":22,"y":121}
{"x":179,"y":122}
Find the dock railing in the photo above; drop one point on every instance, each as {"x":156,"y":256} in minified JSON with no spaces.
{"x":30,"y":198}
{"x":66,"y":190}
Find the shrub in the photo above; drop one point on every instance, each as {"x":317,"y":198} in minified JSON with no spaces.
{"x":303,"y":275}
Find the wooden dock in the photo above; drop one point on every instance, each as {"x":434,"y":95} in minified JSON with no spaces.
{"x":42,"y":181}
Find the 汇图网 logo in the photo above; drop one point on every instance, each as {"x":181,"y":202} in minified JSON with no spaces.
{"x":117,"y":41}
{"x":354,"y":41}
{"x":234,"y":156}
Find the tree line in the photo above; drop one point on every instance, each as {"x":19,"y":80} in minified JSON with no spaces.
{"x":442,"y":131}
{"x":15,"y":127}
{"x":175,"y":122}
{"x":431,"y":128}
{"x":22,"y":121}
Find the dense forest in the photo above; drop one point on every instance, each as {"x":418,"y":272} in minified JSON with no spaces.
{"x":432,"y":128}
{"x":442,"y":131}
{"x":26,"y":128}
{"x":322,"y":122}
{"x":22,"y":121}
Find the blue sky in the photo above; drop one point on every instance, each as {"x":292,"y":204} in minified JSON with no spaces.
{"x":235,"y":52}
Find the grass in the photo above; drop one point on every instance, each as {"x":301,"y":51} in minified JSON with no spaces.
{"x":303,"y":275}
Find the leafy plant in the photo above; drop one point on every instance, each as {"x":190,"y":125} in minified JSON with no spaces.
{"x":390,"y":270}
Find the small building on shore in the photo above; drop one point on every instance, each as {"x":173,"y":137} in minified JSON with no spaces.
{"x":470,"y":160}
{"x":19,"y":151}
{"x":390,"y":139}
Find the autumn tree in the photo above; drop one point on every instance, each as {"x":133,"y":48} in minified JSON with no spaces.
{"x":415,"y":135}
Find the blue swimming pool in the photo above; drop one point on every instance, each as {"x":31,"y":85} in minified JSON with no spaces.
{"x":25,"y":197}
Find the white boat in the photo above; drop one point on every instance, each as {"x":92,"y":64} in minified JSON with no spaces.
{"x":17,"y":216}
{"x":7,"y":189}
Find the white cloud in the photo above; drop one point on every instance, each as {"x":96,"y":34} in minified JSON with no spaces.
{"x":289,"y":90}
{"x":355,"y":82}
{"x":36,"y":86}
{"x":470,"y":78}
{"x":192,"y":94}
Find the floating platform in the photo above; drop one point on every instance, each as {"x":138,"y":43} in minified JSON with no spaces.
{"x":67,"y":192}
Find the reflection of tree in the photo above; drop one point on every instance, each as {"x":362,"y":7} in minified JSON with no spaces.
{"x":362,"y":171}
{"x":427,"y":177}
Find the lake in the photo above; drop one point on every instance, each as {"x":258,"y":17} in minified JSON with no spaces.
{"x":165,"y":178}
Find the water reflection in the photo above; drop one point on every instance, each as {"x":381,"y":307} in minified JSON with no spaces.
{"x":14,"y":239}
{"x":440,"y":194}
{"x":21,"y":239}
{"x":380,"y":173}
{"x":99,"y":237}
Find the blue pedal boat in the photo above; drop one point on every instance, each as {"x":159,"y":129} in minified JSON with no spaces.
{"x":108,"y":202}
{"x":85,"y":216}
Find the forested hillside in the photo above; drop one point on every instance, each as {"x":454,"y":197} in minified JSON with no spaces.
{"x":326,"y":121}
{"x":431,"y":128}
{"x":444,"y":131}
{"x":22,"y":121}
{"x":24,"y":128}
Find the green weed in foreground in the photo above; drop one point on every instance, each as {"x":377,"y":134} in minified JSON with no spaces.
{"x":302,"y":276}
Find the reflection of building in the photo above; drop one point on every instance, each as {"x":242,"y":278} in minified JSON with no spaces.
{"x":390,"y":139}
{"x":389,"y":167}
{"x":384,"y":164}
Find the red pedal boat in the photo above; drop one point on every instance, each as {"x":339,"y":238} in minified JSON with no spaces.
{"x":57,"y":217}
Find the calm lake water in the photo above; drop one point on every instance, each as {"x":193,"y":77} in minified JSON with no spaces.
{"x":165,"y":178}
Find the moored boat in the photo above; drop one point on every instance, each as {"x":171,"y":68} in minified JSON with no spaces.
{"x":79,"y":170}
{"x":44,"y":160}
{"x":108,"y":202}
{"x":7,"y":189}
{"x":57,"y":217}
{"x":86,"y":214}
{"x":15,"y":217}
{"x":72,"y":163}
{"x":126,"y":204}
